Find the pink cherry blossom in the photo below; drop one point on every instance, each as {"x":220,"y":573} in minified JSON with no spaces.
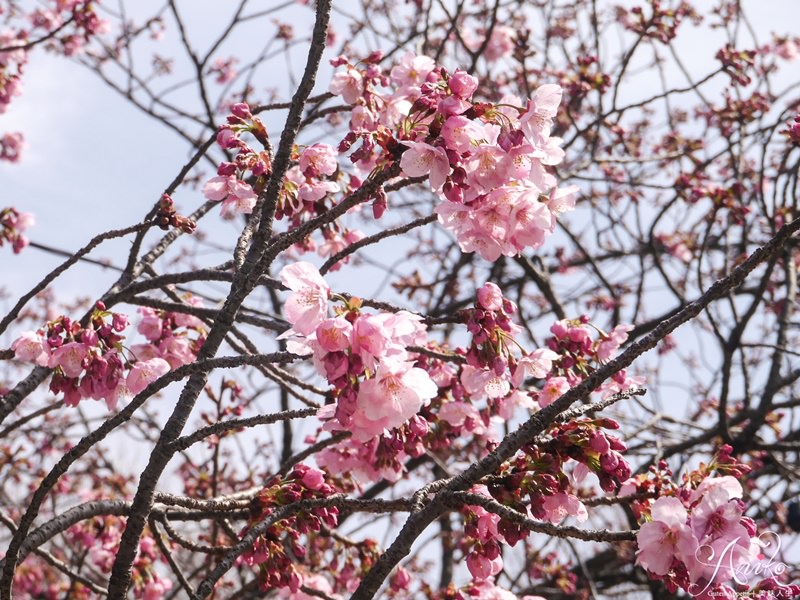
{"x":462,"y":84}
{"x":70,"y":358}
{"x":422,"y":159}
{"x":483,"y":382}
{"x":308,"y":305}
{"x":318,"y":159}
{"x":31,"y":347}
{"x":347,"y":84}
{"x":390,"y":398}
{"x":562,"y":505}
{"x":144,"y":373}
{"x":538,"y":117}
{"x":553,"y":389}
{"x":490,"y":297}
{"x":666,"y":538}
{"x":536,"y":364}
{"x":461,"y":134}
{"x":334,"y":334}
{"x":482,"y":567}
{"x":412,"y":70}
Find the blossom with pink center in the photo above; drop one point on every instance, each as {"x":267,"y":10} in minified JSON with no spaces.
{"x":412,"y":70}
{"x":369,"y":339}
{"x":539,"y":114}
{"x":608,"y":347}
{"x":488,"y":167}
{"x":318,"y":159}
{"x":536,"y":364}
{"x":462,"y":84}
{"x":390,"y":398}
{"x":312,"y":582}
{"x":236,"y":196}
{"x":461,"y":134}
{"x":562,"y":505}
{"x":151,"y":325}
{"x":31,"y":347}
{"x":422,"y":159}
{"x":716,"y":515}
{"x":176,"y":350}
{"x":458,"y":414}
{"x":348,"y":84}
{"x":307,"y":306}
{"x":69,"y":357}
{"x":562,"y":200}
{"x":11,"y":145}
{"x":481,"y":567}
{"x":666,"y":538}
{"x":334,"y":334}
{"x":553,"y":389}
{"x":144,"y":373}
{"x":490,"y":297}
{"x":483,"y":382}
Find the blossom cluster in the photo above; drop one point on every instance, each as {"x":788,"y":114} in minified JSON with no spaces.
{"x":11,"y":145}
{"x":173,"y":337}
{"x":535,"y":483}
{"x":487,"y":162}
{"x":376,"y":385}
{"x":88,"y":362}
{"x":12,"y":63}
{"x":697,"y":539}
{"x":573,"y":341}
{"x":273,"y":550}
{"x":101,"y":537}
{"x":492,"y":367}
{"x":230,"y":186}
{"x":13,"y":224}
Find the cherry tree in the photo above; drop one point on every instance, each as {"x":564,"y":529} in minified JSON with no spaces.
{"x":486,"y":299}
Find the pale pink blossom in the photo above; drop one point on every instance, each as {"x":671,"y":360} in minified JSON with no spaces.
{"x":318,"y":159}
{"x":70,"y":358}
{"x":176,"y":350}
{"x":608,"y":346}
{"x":307,"y":306}
{"x":422,"y":159}
{"x":490,"y":297}
{"x":334,"y":334}
{"x":390,"y":398}
{"x":462,"y":84}
{"x":31,"y":347}
{"x":562,"y":505}
{"x":151,"y":325}
{"x":484,"y":382}
{"x":542,"y":108}
{"x":348,"y":84}
{"x":536,"y":364}
{"x":412,"y":70}
{"x":553,"y":389}
{"x":144,"y":373}
{"x":461,"y":134}
{"x":666,"y":538}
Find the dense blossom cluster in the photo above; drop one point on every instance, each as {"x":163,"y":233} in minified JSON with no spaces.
{"x":273,"y":551}
{"x":376,"y":386}
{"x":13,"y":224}
{"x":487,"y":162}
{"x":101,"y":536}
{"x":88,"y":362}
